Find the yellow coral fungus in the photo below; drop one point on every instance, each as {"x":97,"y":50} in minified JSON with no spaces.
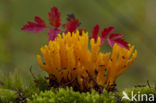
{"x":68,"y":58}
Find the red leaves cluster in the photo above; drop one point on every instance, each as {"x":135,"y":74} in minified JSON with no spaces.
{"x":55,"y":21}
{"x":112,"y":38}
{"x":71,"y":25}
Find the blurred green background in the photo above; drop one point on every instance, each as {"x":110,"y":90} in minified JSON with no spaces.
{"x":136,"y":19}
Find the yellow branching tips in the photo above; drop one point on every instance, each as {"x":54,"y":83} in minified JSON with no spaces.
{"x":68,"y":59}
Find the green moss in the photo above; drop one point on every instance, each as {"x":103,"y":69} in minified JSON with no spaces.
{"x":8,"y":96}
{"x":37,"y":91}
{"x":13,"y":88}
{"x":41,"y":83}
{"x":69,"y":96}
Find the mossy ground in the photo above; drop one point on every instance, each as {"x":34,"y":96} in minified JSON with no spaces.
{"x":14,"y":90}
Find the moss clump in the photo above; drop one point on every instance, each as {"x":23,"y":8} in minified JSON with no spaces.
{"x":69,"y":96}
{"x":8,"y":96}
{"x":12,"y":89}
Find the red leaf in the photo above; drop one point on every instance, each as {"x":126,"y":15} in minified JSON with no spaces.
{"x":95,"y":31}
{"x":115,"y":35}
{"x":113,"y":38}
{"x":35,"y":27}
{"x":121,"y":42}
{"x":54,"y":17}
{"x":110,"y":42}
{"x":53,"y":33}
{"x":72,"y":23}
{"x":106,"y":31}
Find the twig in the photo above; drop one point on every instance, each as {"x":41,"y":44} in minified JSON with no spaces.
{"x":139,"y":86}
{"x":148,"y":84}
{"x":32,"y":73}
{"x":66,"y":84}
{"x":96,"y":84}
{"x":92,"y":77}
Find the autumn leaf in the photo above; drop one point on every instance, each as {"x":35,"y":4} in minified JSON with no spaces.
{"x":54,"y":17}
{"x":72,"y":23}
{"x":95,"y":32}
{"x":53,"y":32}
{"x":117,"y":38}
{"x":112,"y":38}
{"x":105,"y":33}
{"x":121,"y":42}
{"x":35,"y":27}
